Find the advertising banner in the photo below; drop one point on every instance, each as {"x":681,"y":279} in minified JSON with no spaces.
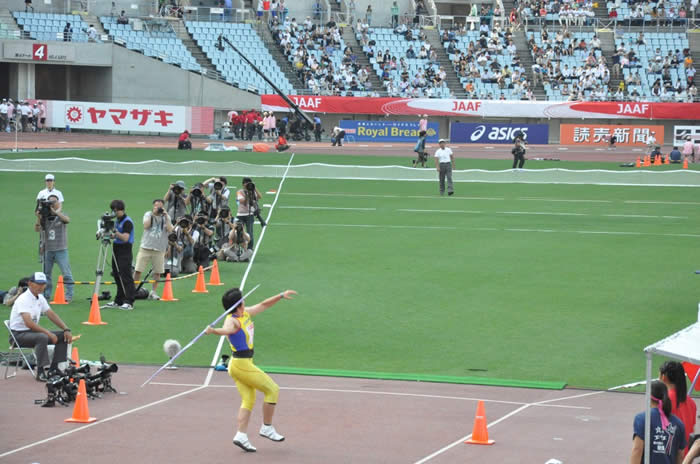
{"x":39,"y":52}
{"x":462,"y":132}
{"x":680,"y":133}
{"x":128,"y":117}
{"x":485,"y":108}
{"x":388,"y":131}
{"x":599,"y":134}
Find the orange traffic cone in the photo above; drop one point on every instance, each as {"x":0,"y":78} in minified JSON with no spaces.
{"x":638,"y":164}
{"x":685,"y":163}
{"x":647,"y":161}
{"x":480,"y":432}
{"x":95,"y":318}
{"x":667,"y":160}
{"x":74,"y":356}
{"x":214,"y":276}
{"x":200,"y":287}
{"x":80,"y":411}
{"x":168,"y":290}
{"x":657,"y":160}
{"x":59,"y":297}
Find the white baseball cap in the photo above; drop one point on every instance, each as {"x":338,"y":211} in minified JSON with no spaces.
{"x":38,"y":277}
{"x":49,"y":177}
{"x":442,"y":141}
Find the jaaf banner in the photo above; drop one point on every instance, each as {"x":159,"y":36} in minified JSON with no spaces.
{"x":599,"y":134}
{"x":485,"y":108}
{"x":388,"y":131}
{"x":467,"y":132}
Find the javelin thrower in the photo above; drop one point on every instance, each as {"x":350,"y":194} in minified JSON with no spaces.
{"x":238,"y":329}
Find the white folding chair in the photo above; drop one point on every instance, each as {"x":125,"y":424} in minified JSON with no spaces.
{"x":14,"y":348}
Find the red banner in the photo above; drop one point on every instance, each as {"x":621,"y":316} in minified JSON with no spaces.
{"x":486,"y":108}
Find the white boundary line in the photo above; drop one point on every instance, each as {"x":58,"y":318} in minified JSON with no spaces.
{"x":328,"y":207}
{"x":387,"y":393}
{"x":490,"y":229}
{"x":467,"y":437}
{"x":101,"y":421}
{"x":220,"y":345}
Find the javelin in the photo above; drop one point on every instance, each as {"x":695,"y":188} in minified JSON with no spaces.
{"x":186,"y":347}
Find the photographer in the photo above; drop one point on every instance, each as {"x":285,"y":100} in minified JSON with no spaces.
{"x":236,"y":249}
{"x":121,"y":257}
{"x":247,"y":199}
{"x":154,"y":242}
{"x":9,"y":297}
{"x":338,"y":136}
{"x":223,"y":223}
{"x":519,"y":149}
{"x":202,"y":233}
{"x":196,"y":200}
{"x":185,"y":239}
{"x":218,"y":194}
{"x":51,"y":223}
{"x":173,"y":254}
{"x":176,"y":200}
{"x":24,"y":323}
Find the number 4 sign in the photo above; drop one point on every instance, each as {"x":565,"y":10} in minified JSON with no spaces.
{"x":39,"y":52}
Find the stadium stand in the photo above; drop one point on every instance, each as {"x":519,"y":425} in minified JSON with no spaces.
{"x":487,"y":64}
{"x":49,"y":27}
{"x":231,"y":66}
{"x":162,"y":43}
{"x":321,"y":59}
{"x":403,"y":60}
{"x":637,"y":13}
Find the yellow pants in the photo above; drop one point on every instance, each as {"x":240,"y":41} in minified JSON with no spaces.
{"x":249,"y":378}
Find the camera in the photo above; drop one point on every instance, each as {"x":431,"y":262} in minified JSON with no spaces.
{"x":197,"y":191}
{"x":218,"y":185}
{"x":250,"y":187}
{"x":177,"y":190}
{"x":172,"y":237}
{"x":160,"y":211}
{"x":105,"y":225}
{"x":201,"y":220}
{"x":224,"y":213}
{"x":184,"y":223}
{"x":44,"y":207}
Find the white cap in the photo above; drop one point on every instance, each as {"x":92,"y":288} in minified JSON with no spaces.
{"x":38,"y":277}
{"x":49,"y":177}
{"x":442,"y":141}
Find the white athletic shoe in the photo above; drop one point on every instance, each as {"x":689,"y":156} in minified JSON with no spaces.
{"x":111,"y":304}
{"x":268,"y":431}
{"x":126,"y":307}
{"x":153,"y":296}
{"x":241,"y":440}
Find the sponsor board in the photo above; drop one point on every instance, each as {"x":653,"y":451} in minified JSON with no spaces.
{"x":680,"y":133}
{"x":485,"y":108}
{"x":461,"y":132}
{"x":128,"y":117}
{"x":388,"y":131}
{"x":38,"y":52}
{"x":599,"y":134}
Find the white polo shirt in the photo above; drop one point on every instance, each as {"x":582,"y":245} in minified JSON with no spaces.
{"x":443,"y":155}
{"x":44,"y":194}
{"x":27,"y":303}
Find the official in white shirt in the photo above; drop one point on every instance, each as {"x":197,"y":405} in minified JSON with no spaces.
{"x":50,"y":189}
{"x":444,"y":163}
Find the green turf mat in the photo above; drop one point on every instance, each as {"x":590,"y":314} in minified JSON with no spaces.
{"x":417,"y":377}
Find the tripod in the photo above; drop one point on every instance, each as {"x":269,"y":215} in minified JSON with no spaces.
{"x":104,"y":248}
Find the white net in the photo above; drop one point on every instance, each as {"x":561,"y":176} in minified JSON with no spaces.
{"x":638,"y":177}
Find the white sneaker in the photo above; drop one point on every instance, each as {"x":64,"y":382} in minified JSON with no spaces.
{"x":126,"y":307}
{"x":268,"y":431}
{"x":241,"y":440}
{"x":111,"y":304}
{"x":153,"y":296}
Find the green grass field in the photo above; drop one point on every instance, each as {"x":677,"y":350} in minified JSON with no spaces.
{"x":540,"y":283}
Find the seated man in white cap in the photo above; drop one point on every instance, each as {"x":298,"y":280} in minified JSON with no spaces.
{"x":50,"y":189}
{"x":24,"y":324}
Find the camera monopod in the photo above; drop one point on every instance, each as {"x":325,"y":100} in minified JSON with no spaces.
{"x":194,"y":340}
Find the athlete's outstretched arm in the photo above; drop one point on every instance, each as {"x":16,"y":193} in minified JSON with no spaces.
{"x":262,"y":306}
